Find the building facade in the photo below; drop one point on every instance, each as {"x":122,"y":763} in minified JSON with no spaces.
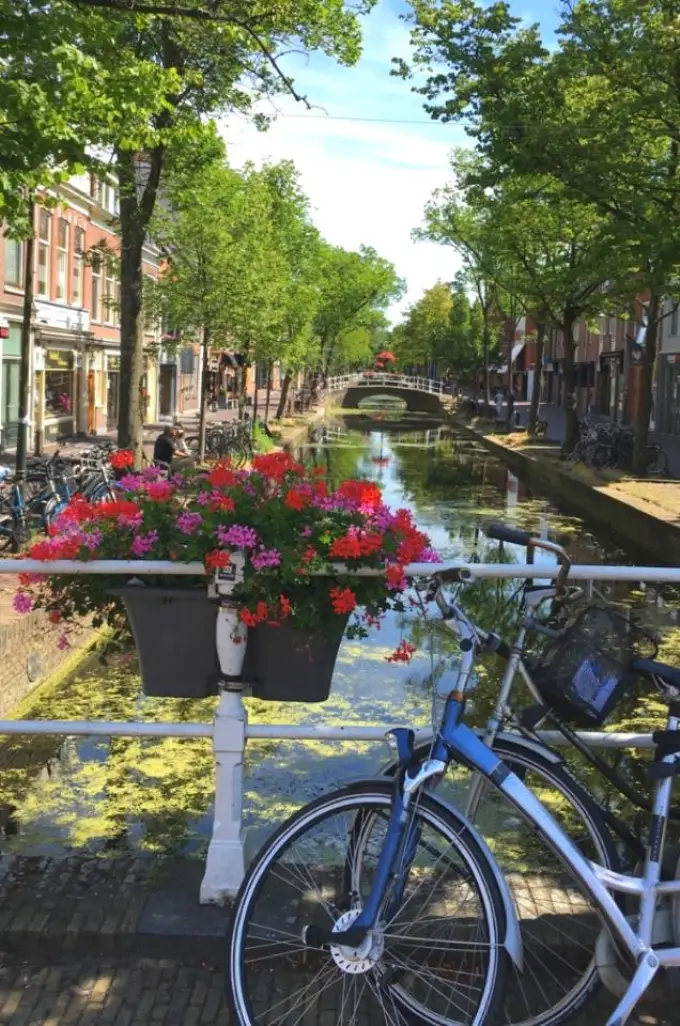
{"x":75,"y":329}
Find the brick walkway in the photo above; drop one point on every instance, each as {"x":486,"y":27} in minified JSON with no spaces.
{"x":141,"y":991}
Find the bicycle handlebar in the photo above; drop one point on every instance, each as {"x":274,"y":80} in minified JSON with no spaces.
{"x":511,"y":535}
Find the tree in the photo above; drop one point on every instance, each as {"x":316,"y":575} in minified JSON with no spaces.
{"x":426,"y":332}
{"x":588,"y":114}
{"x":162,"y":71}
{"x":194,"y":231}
{"x":353,"y":287}
{"x":466,"y":354}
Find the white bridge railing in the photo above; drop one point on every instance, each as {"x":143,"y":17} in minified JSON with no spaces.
{"x":373,"y":379}
{"x":230,"y":729}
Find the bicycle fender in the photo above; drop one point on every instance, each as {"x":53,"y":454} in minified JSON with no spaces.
{"x":513,"y":935}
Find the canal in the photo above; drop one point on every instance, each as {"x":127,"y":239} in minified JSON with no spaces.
{"x":153,"y":796}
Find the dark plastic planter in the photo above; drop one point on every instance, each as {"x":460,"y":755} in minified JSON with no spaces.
{"x":174,"y":631}
{"x":285,"y":665}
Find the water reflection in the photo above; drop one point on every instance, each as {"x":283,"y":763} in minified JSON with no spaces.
{"x":154,"y":795}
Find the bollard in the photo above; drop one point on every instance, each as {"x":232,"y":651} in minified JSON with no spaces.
{"x":224,"y":867}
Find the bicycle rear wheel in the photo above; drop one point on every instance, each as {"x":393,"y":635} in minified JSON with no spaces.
{"x":559,"y":927}
{"x":435,"y":958}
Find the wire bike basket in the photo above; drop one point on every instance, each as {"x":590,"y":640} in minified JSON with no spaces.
{"x":585,"y":674}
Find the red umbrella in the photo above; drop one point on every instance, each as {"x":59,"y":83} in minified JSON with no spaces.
{"x":386,"y":355}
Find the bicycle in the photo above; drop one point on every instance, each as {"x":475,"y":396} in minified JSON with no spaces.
{"x":233,"y":441}
{"x":353,"y":922}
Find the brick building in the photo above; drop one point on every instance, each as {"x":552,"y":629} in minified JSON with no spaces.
{"x":75,"y":337}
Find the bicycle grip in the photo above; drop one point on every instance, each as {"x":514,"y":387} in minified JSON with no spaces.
{"x":511,"y":535}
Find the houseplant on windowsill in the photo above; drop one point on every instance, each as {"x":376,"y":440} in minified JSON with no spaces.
{"x":288,"y":524}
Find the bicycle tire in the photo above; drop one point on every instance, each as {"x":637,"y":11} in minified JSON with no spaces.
{"x":602,"y":847}
{"x":373,"y":796}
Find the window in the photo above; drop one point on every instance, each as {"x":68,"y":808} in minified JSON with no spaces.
{"x":14,"y":262}
{"x":674,"y":319}
{"x":62,"y":260}
{"x":110,"y":315}
{"x":95,"y":188}
{"x":78,"y":244}
{"x":44,"y":226}
{"x":96,"y":287}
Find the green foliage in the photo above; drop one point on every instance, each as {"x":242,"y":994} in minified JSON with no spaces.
{"x":353,"y":289}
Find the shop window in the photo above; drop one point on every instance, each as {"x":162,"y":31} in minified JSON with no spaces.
{"x":77,"y":273}
{"x":44,"y":228}
{"x":96,"y":287}
{"x":110,"y":311}
{"x":59,"y":393}
{"x":14,"y":262}
{"x":186,"y":361}
{"x":62,"y":259}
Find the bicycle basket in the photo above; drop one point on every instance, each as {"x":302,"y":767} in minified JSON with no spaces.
{"x":585,"y":674}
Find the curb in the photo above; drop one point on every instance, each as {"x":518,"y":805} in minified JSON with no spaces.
{"x":646,"y":532}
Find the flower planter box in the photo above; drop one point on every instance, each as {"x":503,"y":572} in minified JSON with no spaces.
{"x":174,"y":631}
{"x":285,"y":665}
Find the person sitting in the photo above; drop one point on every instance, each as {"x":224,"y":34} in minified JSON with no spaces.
{"x":164,"y":447}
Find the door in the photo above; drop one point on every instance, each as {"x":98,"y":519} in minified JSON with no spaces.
{"x":91,"y":419}
{"x":112,"y":388}
{"x":166,"y":390}
{"x":10,"y":402}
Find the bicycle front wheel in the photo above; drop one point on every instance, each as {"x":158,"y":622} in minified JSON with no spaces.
{"x":436,"y":955}
{"x":558,"y":924}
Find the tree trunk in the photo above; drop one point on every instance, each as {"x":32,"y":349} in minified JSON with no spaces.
{"x":538,"y":379}
{"x":486,"y":342}
{"x":256,"y":393}
{"x":283,"y":398}
{"x":205,"y":378}
{"x":137,"y":204}
{"x":570,"y":415}
{"x":644,"y":409}
{"x":510,"y":404}
{"x":25,"y":364}
{"x":270,"y":371}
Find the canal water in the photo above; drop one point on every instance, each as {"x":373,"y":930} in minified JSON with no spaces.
{"x":153,"y":796}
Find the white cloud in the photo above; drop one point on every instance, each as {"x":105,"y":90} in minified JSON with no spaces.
{"x":368,"y":181}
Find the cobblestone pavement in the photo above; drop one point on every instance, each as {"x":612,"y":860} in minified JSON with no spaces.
{"x":148,"y":992}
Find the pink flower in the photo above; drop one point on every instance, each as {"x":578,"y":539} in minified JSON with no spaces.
{"x":92,"y":540}
{"x":130,"y":483}
{"x":131,"y":521}
{"x":63,"y":642}
{"x":188,"y":523}
{"x":237,"y":535}
{"x":143,"y":543}
{"x":203,"y":498}
{"x":22,"y":602}
{"x":160,"y":491}
{"x":265,"y":558}
{"x":306,"y":532}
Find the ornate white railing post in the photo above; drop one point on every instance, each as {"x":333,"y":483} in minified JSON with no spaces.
{"x":224,"y":867}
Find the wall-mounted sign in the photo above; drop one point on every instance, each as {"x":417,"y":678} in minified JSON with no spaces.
{"x":113,"y":363}
{"x":56,"y":315}
{"x":58,"y":359}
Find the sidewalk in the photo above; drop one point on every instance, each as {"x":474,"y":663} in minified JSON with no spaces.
{"x":554,"y":415}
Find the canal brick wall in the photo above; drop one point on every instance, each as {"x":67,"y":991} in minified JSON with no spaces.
{"x":29,"y":649}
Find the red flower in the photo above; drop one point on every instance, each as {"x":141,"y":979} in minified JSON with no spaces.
{"x":252,"y":618}
{"x":343,"y":600}
{"x":309,"y":554}
{"x":296,"y":498}
{"x":395,"y":577}
{"x":402,"y":654}
{"x":217,"y":558}
{"x":160,"y":491}
{"x":121,"y":459}
{"x":55,"y":616}
{"x":222,"y":502}
{"x":276,"y":465}
{"x":364,"y":493}
{"x":318,"y":471}
{"x":222,"y":476}
{"x":285,"y":607}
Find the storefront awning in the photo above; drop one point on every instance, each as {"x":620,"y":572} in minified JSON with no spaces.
{"x":516,"y":350}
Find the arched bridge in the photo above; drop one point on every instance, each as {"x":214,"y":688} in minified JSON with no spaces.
{"x":423,"y":395}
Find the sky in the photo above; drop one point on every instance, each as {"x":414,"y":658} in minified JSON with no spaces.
{"x":368,"y":155}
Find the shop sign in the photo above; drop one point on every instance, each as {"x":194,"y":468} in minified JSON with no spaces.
{"x":58,"y":359}
{"x":38,"y":359}
{"x":56,"y":315}
{"x":113,"y":363}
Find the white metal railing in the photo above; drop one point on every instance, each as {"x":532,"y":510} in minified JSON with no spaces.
{"x":371,"y":379}
{"x":230,"y":730}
